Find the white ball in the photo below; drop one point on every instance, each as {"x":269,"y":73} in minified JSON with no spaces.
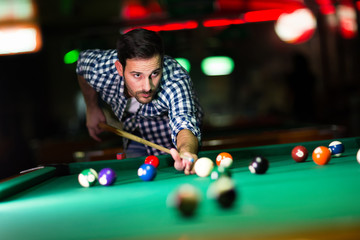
{"x":358,"y":156}
{"x":203,"y":167}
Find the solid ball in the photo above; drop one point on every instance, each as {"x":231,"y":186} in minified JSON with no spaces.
{"x":299,"y":153}
{"x":203,"y":167}
{"x":336,"y":148}
{"x":224,"y":159}
{"x":220,"y":171}
{"x":87,"y":177}
{"x":358,"y":156}
{"x":107,"y":176}
{"x":147,"y":172}
{"x":259,"y":165}
{"x":153,"y":160}
{"x":187,"y":200}
{"x":321,"y":155}
{"x":223,"y":191}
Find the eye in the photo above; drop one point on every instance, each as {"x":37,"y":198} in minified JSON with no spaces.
{"x":136,"y":75}
{"x":155,"y":74}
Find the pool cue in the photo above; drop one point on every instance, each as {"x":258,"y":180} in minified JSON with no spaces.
{"x":135,"y":138}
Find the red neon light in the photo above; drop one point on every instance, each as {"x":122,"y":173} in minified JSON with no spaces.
{"x":169,"y":26}
{"x":326,"y":7}
{"x":134,"y":11}
{"x":222,"y":22}
{"x":262,"y":16}
{"x":286,"y":6}
{"x":358,"y":5}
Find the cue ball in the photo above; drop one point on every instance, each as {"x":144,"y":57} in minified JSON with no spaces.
{"x":87,"y":177}
{"x":259,"y":165}
{"x":224,"y":159}
{"x":336,"y":148}
{"x":107,"y":176}
{"x":321,"y":155}
{"x":153,"y":160}
{"x":187,"y":199}
{"x":147,"y":172}
{"x":299,"y":153}
{"x":358,"y":156}
{"x":203,"y":167}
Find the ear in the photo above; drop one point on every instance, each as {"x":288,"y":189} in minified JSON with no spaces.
{"x":119,"y":67}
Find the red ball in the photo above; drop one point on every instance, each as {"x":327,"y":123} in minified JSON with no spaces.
{"x":299,"y":153}
{"x":153,"y":160}
{"x":321,"y":155}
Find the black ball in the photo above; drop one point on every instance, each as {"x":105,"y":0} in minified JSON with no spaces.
{"x":259,"y":165}
{"x":187,"y":200}
{"x":223,"y":191}
{"x":226,"y":198}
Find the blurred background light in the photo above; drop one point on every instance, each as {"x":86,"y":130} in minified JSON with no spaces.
{"x":184,"y":63}
{"x":296,"y":27}
{"x":71,"y":57}
{"x":217,"y":66}
{"x":19,"y":39}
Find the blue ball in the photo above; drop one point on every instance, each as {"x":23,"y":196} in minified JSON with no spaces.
{"x":147,"y":172}
{"x":336,"y":148}
{"x":107,"y":176}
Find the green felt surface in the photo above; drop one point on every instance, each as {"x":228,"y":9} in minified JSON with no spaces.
{"x":291,"y":199}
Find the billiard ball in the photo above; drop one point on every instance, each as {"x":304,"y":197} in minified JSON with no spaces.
{"x":153,"y":160}
{"x":358,"y":156}
{"x":259,"y":165}
{"x":147,"y":172}
{"x":223,"y":191}
{"x":220,"y":171}
{"x":336,"y":148}
{"x":87,"y":177}
{"x":203,"y":167}
{"x":224,"y":159}
{"x":187,"y":199}
{"x":107,"y":176}
{"x":321,"y":155}
{"x":299,"y":153}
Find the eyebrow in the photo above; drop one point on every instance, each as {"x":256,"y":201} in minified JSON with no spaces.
{"x":158,"y":69}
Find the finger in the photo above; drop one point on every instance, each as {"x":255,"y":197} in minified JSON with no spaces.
{"x":178,"y":163}
{"x":93,"y":135}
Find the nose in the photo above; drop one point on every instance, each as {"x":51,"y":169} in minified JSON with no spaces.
{"x":148,"y":84}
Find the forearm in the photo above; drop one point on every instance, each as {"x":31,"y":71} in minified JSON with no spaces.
{"x":94,"y":114}
{"x":90,"y":95}
{"x":187,"y":142}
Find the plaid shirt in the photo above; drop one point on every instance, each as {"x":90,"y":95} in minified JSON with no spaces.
{"x":175,"y":107}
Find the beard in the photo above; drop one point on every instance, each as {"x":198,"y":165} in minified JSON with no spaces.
{"x":139,"y":95}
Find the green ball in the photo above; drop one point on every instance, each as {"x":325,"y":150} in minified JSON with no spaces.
{"x":220,"y":171}
{"x":88,"y":177}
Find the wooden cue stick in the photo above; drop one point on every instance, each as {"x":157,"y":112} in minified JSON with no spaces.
{"x":132,"y":137}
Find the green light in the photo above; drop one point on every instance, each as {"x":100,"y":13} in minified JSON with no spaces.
{"x":217,"y":66}
{"x":71,"y":56}
{"x":184,"y":63}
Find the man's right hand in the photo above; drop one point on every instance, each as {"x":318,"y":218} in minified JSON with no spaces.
{"x":93,"y":117}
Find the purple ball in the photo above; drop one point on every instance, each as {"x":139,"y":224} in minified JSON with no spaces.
{"x":107,"y":176}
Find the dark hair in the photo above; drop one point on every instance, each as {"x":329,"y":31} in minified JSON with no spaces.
{"x":139,"y":43}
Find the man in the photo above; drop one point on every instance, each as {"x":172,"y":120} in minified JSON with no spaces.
{"x":150,"y":93}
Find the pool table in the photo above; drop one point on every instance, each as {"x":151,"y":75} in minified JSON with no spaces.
{"x":290,"y":201}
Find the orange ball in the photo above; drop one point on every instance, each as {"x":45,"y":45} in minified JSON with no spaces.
{"x":321,"y":155}
{"x":221,"y":157}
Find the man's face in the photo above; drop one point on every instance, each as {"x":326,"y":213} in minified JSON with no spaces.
{"x":142,"y":77}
